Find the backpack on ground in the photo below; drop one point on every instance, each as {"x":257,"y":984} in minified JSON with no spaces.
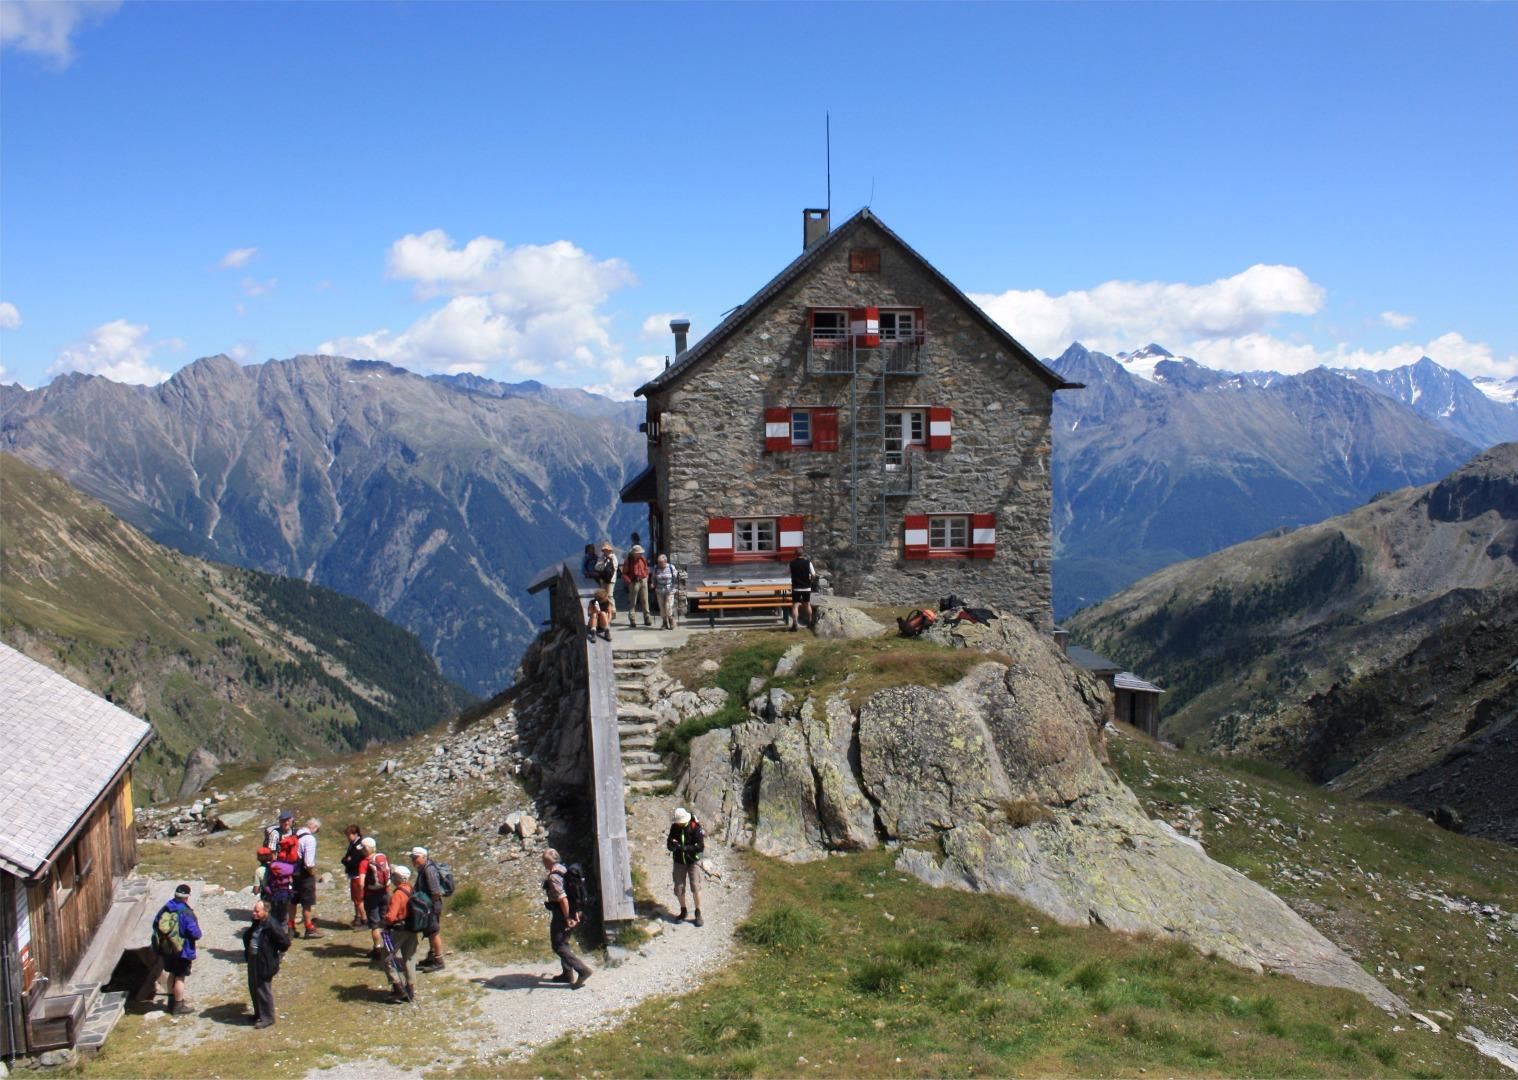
{"x":444,"y":877}
{"x":576,"y":889}
{"x":418,"y":912}
{"x":952,"y":602}
{"x":168,"y":937}
{"x":915,"y":622}
{"x":378,"y":874}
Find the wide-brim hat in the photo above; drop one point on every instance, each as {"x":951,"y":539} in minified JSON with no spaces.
{"x":681,"y":816}
{"x":637,"y":549}
{"x":607,"y":546}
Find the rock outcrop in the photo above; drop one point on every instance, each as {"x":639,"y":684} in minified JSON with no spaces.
{"x":996,"y":783}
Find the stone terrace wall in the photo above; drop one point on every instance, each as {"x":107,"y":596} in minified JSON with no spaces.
{"x":711,"y":460}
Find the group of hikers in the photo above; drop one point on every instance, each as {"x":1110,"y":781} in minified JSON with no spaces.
{"x":605,"y":569}
{"x":400,"y":906}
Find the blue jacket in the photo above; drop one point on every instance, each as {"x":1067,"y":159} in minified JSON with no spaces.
{"x":188,"y":927}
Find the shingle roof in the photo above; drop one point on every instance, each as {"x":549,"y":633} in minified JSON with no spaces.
{"x":1085,"y":658}
{"x":63,"y":745}
{"x":805,"y":261}
{"x":1127,"y":680}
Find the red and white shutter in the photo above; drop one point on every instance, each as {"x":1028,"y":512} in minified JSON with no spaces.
{"x":777,"y":429}
{"x":864,"y":324}
{"x":920,"y":327}
{"x":914,"y":536}
{"x":719,"y":540}
{"x":825,"y":429}
{"x":982,"y":536}
{"x":788,"y":537}
{"x":940,"y":435}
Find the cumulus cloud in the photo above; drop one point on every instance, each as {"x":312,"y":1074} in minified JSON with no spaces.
{"x":522,"y":307}
{"x":10,"y":318}
{"x":623,"y":377}
{"x":118,"y":350}
{"x":1397,"y":320}
{"x":1116,"y":314}
{"x":656,"y":326}
{"x":1263,"y":352}
{"x":47,"y":27}
{"x":237,"y":258}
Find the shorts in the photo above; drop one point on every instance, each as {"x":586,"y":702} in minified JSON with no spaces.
{"x":356,"y":889}
{"x":177,"y":966}
{"x":305,"y":890}
{"x":801,"y":596}
{"x":374,"y":910}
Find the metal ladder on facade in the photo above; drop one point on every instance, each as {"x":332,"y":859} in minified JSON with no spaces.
{"x":872,"y":480}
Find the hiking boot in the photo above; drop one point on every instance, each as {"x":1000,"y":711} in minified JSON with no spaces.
{"x":397,"y":998}
{"x":647,"y":621}
{"x":313,"y":932}
{"x":432,"y":963}
{"x":606,"y":634}
{"x":563,"y":977}
{"x":180,"y":1008}
{"x":697,"y":920}
{"x":259,"y":1025}
{"x":359,"y":923}
{"x":680,"y":917}
{"x":582,"y":980}
{"x":631,"y":625}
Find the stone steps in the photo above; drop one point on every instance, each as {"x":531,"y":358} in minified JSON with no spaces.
{"x":649,"y":787}
{"x":646,"y":771}
{"x":637,"y":728}
{"x":640,"y":757}
{"x":643,"y":769}
{"x":108,"y":1009}
{"x":627,"y":710}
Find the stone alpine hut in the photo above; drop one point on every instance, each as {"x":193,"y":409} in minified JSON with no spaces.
{"x":863,"y":406}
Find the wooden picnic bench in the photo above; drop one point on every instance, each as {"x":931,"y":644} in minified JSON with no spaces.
{"x":749,"y":594}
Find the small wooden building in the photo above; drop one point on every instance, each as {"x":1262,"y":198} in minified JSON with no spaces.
{"x":66,"y":841}
{"x":1134,"y":701}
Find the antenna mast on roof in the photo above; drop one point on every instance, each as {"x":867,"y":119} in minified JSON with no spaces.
{"x":829,"y":120}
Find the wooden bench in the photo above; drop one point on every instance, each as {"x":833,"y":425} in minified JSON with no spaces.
{"x":756,"y":595}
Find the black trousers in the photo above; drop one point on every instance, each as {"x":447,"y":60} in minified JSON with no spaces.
{"x":559,"y":936}
{"x":262,"y":993}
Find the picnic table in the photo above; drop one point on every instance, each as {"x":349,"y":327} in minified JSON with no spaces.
{"x":740,"y":594}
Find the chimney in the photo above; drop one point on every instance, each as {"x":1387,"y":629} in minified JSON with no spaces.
{"x":680,"y":327}
{"x":814,"y":226}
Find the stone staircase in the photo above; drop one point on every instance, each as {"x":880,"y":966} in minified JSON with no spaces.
{"x":642,"y":769}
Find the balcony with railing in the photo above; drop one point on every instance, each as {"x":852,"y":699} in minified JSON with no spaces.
{"x":830,"y":352}
{"x":838,"y":352}
{"x":899,"y":474}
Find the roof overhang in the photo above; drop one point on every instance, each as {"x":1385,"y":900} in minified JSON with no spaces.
{"x":643,"y":488}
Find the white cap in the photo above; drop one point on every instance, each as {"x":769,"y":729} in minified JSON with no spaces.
{"x":681,"y":815}
{"x":368,"y":843}
{"x":419,"y":851}
{"x":400,"y":872}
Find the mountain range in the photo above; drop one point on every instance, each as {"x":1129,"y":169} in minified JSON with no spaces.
{"x":240,"y":664}
{"x":1373,"y":651}
{"x":1160,"y":459}
{"x":434,"y":501}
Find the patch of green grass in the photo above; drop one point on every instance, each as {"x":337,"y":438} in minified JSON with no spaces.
{"x":921,"y":952}
{"x":1091,"y":976}
{"x":785,"y":928}
{"x":633,"y":937}
{"x":1041,"y":963}
{"x":465,"y":899}
{"x":989,"y":971}
{"x":476,"y":939}
{"x":879,"y":977}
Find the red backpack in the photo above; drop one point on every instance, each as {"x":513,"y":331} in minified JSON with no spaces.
{"x":289,"y":850}
{"x":378,"y":874}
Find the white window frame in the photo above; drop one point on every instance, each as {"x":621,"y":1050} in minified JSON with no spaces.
{"x":899,"y":433}
{"x":831,"y":334}
{"x":750,"y":535}
{"x":896,"y":333}
{"x":942,"y":529}
{"x":801,"y":427}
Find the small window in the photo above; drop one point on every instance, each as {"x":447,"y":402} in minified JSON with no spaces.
{"x":754,"y":535}
{"x":830,"y":326}
{"x":864,"y":260}
{"x":904,"y":428}
{"x":898,"y":326}
{"x":948,"y":533}
{"x":801,"y":427}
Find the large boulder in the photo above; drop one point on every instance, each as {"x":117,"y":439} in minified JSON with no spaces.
{"x":846,"y":624}
{"x":199,"y":768}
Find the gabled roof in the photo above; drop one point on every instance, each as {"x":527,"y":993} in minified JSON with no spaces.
{"x":64,"y":747}
{"x":1127,"y":680}
{"x":804,"y":262}
{"x":1083,"y":657}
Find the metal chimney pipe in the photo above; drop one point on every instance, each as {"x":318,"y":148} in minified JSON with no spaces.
{"x":681,"y":328}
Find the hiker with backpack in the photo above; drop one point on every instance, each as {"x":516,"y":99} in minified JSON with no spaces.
{"x":435,"y":881}
{"x":283,"y":827}
{"x":686,"y":842}
{"x":277,"y":887}
{"x":635,"y":575}
{"x":353,"y":860}
{"x":263,"y":944}
{"x":607,"y":566}
{"x":375,"y":875}
{"x":803,"y":581}
{"x":565,"y":895}
{"x":405,"y":920}
{"x":175,"y":932}
{"x":665,"y":579}
{"x":305,"y":875}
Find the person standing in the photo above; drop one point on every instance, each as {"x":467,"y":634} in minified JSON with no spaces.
{"x":263,"y":944}
{"x":429,"y":883}
{"x":575,"y":971}
{"x":353,"y":860}
{"x":664,"y":589}
{"x":588,"y":563}
{"x":803,"y":580}
{"x":686,"y":842}
{"x":635,"y":574}
{"x":376,"y":871}
{"x":305,"y":875}
{"x":175,"y":932}
{"x":400,"y":946}
{"x":282,"y":828}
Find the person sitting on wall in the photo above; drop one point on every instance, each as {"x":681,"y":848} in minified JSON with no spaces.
{"x":599,"y":612}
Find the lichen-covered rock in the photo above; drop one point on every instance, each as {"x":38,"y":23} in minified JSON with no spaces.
{"x":845,"y":815}
{"x":839,"y":623}
{"x":788,"y":661}
{"x":786,"y":822}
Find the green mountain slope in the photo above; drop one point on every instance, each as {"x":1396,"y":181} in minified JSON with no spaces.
{"x":247,"y":665}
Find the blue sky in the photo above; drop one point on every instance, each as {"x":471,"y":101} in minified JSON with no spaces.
{"x":531,"y":191}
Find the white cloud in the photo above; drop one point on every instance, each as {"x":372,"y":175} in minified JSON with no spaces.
{"x":47,"y":27}
{"x":1398,"y":320}
{"x":118,"y":350}
{"x":1262,"y":352}
{"x":1124,"y":314}
{"x":10,"y":318}
{"x":623,"y":377}
{"x":254,"y":287}
{"x":522,"y":307}
{"x":237,"y":258}
{"x":656,"y":326}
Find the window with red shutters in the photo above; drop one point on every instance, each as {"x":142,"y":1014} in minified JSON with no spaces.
{"x":914,"y":537}
{"x":777,"y":429}
{"x":825,"y":429}
{"x":719,"y":540}
{"x":811,"y":427}
{"x":939,"y":429}
{"x":982,"y":536}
